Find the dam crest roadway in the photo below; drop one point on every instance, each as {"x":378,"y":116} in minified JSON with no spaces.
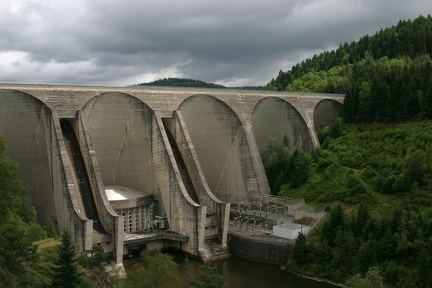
{"x":175,"y":160}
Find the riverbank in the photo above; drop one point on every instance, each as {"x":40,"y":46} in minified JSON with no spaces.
{"x":284,"y":268}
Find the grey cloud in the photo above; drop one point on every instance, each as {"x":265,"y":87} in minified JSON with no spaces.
{"x":245,"y":42}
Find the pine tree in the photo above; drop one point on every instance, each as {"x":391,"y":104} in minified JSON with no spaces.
{"x":300,"y":252}
{"x":424,"y":268}
{"x":362,"y":218}
{"x":324,"y":253}
{"x":66,"y":270}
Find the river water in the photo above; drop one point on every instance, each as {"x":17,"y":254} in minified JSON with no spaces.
{"x":240,"y":273}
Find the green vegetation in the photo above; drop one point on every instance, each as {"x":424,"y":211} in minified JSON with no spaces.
{"x":408,"y":38}
{"x":369,"y":161}
{"x":18,"y":229}
{"x":284,"y":168}
{"x":375,"y":180}
{"x":372,"y":279}
{"x":180,"y":82}
{"x":389,"y":90}
{"x":208,"y":277}
{"x":386,"y":77}
{"x":159,"y":271}
{"x":27,"y":257}
{"x":66,"y":269}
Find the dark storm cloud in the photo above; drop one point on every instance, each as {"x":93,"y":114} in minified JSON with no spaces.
{"x":229,"y":42}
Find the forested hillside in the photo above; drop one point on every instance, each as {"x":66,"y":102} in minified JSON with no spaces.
{"x":386,"y":77}
{"x":375,"y":180}
{"x":191,"y":83}
{"x":373,"y":172}
{"x":181,"y":82}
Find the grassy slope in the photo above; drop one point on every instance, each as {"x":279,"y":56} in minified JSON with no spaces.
{"x":355,"y":167}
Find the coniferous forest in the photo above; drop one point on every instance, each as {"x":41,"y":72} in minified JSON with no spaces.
{"x":386,"y":77}
{"x":373,"y":172}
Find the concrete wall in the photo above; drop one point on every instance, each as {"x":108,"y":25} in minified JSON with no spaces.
{"x":123,"y":142}
{"x":105,"y":211}
{"x":33,"y":139}
{"x":111,"y":222}
{"x":217,"y":135}
{"x":68,"y":210}
{"x":215,"y":207}
{"x":273,"y":118}
{"x":290,"y":231}
{"x":25,"y":124}
{"x":184,"y":215}
{"x":259,"y":251}
{"x":120,"y":131}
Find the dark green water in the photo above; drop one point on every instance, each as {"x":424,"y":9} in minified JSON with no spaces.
{"x":241,"y":273}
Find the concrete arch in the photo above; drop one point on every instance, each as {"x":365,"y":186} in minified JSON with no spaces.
{"x":26,"y":126}
{"x":121,"y":131}
{"x":272,"y":118}
{"x":219,"y":140}
{"x":325,"y":112}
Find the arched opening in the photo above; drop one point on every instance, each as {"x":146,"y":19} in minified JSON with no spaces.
{"x":219,"y":140}
{"x":325,"y":112}
{"x":120,"y":128}
{"x":274,"y":118}
{"x":26,"y":127}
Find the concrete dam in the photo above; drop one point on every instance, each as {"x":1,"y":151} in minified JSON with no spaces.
{"x":136,"y":167}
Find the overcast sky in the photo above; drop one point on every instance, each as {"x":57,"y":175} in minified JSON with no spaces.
{"x":233,"y":43}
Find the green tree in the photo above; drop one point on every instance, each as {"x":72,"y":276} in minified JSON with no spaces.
{"x":346,"y":247}
{"x":415,"y":170}
{"x":300,"y":251}
{"x":301,"y":165}
{"x":394,"y":274}
{"x":324,"y":253}
{"x":65,"y":271}
{"x":424,"y":268}
{"x":366,"y":256}
{"x":14,"y":245}
{"x":10,"y":185}
{"x":362,"y":218}
{"x":336,"y":129}
{"x":50,"y":227}
{"x":335,"y":222}
{"x":159,"y":271}
{"x":372,"y":279}
{"x":208,"y":277}
{"x":93,"y":258}
{"x":276,"y":161}
{"x":18,"y":229}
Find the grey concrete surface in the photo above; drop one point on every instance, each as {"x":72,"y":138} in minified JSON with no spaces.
{"x":123,"y":140}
